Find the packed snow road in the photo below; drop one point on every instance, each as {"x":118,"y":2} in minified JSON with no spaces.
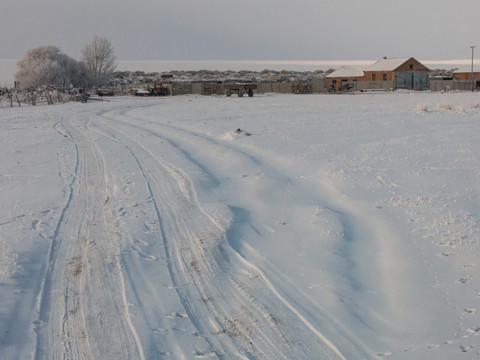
{"x":276,"y":227}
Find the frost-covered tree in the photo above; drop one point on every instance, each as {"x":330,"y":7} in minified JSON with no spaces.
{"x":47,"y":65}
{"x":100,"y":59}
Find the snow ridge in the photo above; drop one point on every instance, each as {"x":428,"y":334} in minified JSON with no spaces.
{"x":212,"y":280}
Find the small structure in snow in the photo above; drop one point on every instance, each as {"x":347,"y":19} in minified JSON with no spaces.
{"x":385,"y":74}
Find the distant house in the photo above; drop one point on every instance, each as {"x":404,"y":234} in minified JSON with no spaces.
{"x":345,"y":75}
{"x":406,"y":73}
{"x":402,"y":73}
{"x":465,"y":74}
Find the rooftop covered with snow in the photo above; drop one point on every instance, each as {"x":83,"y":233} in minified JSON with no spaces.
{"x":468,"y":69}
{"x":386,"y":64}
{"x":348,"y":71}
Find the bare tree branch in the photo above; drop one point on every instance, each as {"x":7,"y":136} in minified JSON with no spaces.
{"x":100,"y":59}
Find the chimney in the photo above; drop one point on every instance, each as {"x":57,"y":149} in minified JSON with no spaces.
{"x":384,"y":58}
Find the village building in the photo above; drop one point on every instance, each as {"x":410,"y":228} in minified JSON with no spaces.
{"x":343,"y":76}
{"x":401,"y":73}
{"x":464,"y":74}
{"x":405,"y":73}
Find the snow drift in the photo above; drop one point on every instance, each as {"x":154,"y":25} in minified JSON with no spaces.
{"x":273,"y":227}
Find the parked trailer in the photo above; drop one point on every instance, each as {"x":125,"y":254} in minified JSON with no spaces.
{"x":239,"y":89}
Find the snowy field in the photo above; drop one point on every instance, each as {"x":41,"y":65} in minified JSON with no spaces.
{"x":272,"y":227}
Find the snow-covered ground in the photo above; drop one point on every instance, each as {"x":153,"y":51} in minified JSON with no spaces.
{"x":272,"y":227}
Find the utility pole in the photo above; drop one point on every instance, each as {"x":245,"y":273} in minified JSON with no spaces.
{"x":473,"y":88}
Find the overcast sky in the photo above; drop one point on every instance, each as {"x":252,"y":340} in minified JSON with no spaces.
{"x":246,"y":29}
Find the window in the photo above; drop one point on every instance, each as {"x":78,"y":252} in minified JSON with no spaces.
{"x":384,"y":77}
{"x":334,"y":81}
{"x":374,"y":77}
{"x":411,"y":66}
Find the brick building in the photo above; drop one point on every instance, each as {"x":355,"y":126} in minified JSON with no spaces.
{"x":402,"y":73}
{"x":345,"y":75}
{"x":464,"y":74}
{"x":405,"y":73}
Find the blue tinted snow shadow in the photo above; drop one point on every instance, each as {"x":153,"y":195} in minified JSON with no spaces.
{"x":240,"y":224}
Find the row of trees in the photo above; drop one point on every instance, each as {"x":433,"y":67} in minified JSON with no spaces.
{"x":47,"y":65}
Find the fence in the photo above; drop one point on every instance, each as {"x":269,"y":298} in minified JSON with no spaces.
{"x":373,"y":85}
{"x":217,"y":88}
{"x":460,"y":85}
{"x":52,"y":95}
{"x":48,"y":95}
{"x":316,"y":86}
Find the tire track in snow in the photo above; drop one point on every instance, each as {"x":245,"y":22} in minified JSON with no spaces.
{"x":354,"y":218}
{"x":223,"y":295}
{"x":82,"y":279}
